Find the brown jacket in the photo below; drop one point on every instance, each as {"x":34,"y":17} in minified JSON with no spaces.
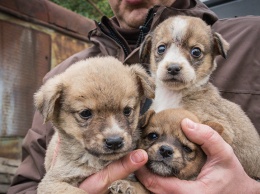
{"x":237,"y":77}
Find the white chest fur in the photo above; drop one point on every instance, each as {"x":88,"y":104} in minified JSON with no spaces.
{"x":165,"y":99}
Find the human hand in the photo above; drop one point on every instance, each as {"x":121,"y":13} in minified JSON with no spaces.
{"x":222,"y":172}
{"x":100,"y":181}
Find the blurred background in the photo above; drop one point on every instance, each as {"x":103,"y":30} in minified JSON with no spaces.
{"x":233,"y":8}
{"x":35,"y":36}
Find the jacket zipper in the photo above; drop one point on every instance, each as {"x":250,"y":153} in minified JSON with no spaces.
{"x":144,"y":29}
{"x":112,"y":34}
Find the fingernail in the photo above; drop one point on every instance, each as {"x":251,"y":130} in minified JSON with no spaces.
{"x":137,"y":156}
{"x":190,"y":124}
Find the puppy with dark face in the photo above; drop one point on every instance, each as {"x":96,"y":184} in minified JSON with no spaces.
{"x":182,"y":52}
{"x":94,"y":107}
{"x":170,"y":153}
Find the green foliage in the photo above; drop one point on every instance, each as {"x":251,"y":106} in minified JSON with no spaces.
{"x":83,"y":7}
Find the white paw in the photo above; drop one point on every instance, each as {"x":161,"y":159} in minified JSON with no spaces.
{"x":122,"y":186}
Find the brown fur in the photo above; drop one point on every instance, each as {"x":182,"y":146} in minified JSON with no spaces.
{"x":93,"y":102}
{"x":170,"y":152}
{"x":161,"y":131}
{"x":188,"y":87}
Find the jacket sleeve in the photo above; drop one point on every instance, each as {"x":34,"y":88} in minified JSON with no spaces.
{"x":237,"y":77}
{"x":31,"y":170}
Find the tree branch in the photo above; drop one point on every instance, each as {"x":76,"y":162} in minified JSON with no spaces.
{"x":94,"y":5}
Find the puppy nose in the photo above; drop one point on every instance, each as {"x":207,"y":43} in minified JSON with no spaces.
{"x":166,"y":151}
{"x":114,"y":143}
{"x":174,"y":69}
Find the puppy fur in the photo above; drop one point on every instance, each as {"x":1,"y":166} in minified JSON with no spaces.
{"x":182,"y":53}
{"x":94,"y":107}
{"x":170,"y":152}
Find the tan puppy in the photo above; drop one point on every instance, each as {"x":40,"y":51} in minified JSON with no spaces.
{"x":94,"y":107}
{"x":170,"y":152}
{"x":182,"y":53}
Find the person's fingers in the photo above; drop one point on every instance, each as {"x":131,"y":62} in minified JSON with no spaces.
{"x":209,"y":140}
{"x":148,"y":179}
{"x":165,"y":185}
{"x":127,"y":165}
{"x":100,"y":181}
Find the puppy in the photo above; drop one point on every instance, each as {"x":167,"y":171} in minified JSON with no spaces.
{"x":170,"y":153}
{"x":182,"y":53}
{"x":94,"y":107}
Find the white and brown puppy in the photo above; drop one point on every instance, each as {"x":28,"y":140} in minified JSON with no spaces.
{"x":94,"y":107}
{"x":182,"y":53}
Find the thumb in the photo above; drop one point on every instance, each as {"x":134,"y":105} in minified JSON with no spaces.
{"x":209,"y":140}
{"x":119,"y":169}
{"x":127,"y":165}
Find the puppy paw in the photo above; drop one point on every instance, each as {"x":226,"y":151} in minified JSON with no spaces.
{"x":122,"y":186}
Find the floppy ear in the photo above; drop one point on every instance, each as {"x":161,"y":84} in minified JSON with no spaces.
{"x":146,"y":83}
{"x":144,"y":119}
{"x":47,"y":96}
{"x":145,"y":48}
{"x":221,"y":45}
{"x":220,"y":129}
{"x":216,"y":126}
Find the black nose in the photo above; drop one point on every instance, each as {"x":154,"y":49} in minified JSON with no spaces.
{"x":114,"y":143}
{"x":174,"y":69}
{"x":166,"y":151}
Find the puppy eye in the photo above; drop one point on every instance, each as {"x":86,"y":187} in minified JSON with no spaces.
{"x":85,"y":114}
{"x":127,"y":111}
{"x":161,"y":49}
{"x":152,"y":136}
{"x":186,"y":149}
{"x":195,"y":52}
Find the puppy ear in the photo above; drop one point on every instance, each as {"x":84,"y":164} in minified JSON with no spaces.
{"x":145,"y":49}
{"x":221,"y":45}
{"x":144,"y":119}
{"x":220,"y":129}
{"x":216,"y":126}
{"x":46,"y":97}
{"x":146,"y":83}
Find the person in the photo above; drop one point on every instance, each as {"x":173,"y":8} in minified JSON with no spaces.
{"x":237,"y":78}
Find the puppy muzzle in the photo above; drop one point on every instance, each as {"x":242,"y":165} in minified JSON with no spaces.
{"x":173,"y":69}
{"x":166,"y":151}
{"x":114,"y":143}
